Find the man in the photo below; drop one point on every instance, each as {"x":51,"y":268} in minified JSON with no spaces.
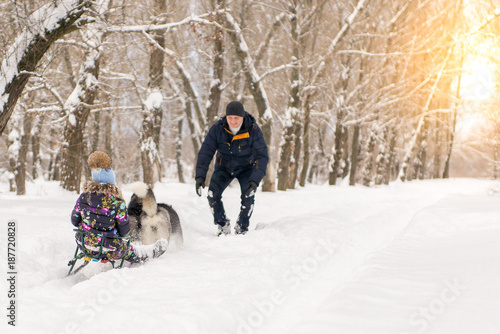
{"x":241,"y":154}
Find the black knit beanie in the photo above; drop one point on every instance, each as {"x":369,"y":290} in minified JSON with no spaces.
{"x":235,"y":108}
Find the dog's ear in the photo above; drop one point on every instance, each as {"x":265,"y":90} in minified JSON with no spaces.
{"x":135,"y":206}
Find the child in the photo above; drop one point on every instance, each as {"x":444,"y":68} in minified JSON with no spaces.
{"x":101,"y":212}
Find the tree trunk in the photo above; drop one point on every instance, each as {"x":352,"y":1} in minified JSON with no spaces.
{"x":23,"y":152}
{"x":216,"y":86}
{"x":354,"y":155}
{"x":193,"y":126}
{"x":96,"y":131}
{"x":153,"y":110}
{"x":296,"y":105}
{"x":392,"y":169}
{"x":291,"y":143}
{"x":35,"y":146}
{"x":368,"y":168}
{"x":340,"y":134}
{"x":178,"y":151}
{"x":215,"y":93}
{"x":108,"y":132}
{"x":345,"y":166}
{"x":307,"y":153}
{"x":14,"y":147}
{"x":73,"y":146}
{"x":423,"y":162}
{"x":438,"y":139}
{"x":54,"y":162}
{"x":150,"y":141}
{"x":297,"y":150}
{"x":381,"y":171}
{"x":285,"y":152}
{"x":72,"y":150}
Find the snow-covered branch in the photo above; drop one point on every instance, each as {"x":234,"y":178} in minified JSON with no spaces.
{"x":186,"y":78}
{"x":266,"y":40}
{"x":336,"y":40}
{"x":423,"y":118}
{"x":155,"y":27}
{"x":274,"y":70}
{"x":248,"y":65}
{"x":371,"y":54}
{"x":43,"y":28}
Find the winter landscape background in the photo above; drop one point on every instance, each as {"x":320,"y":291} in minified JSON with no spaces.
{"x":366,"y":90}
{"x":415,"y":257}
{"x":372,"y":110}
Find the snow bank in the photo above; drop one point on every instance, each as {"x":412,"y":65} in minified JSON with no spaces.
{"x":406,"y":258}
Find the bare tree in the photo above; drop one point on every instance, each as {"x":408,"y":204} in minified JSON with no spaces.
{"x":292,"y":129}
{"x":45,"y":26}
{"x":153,"y":105}
{"x":79,"y":103}
{"x":216,"y":86}
{"x":257,"y":90}
{"x":364,"y":89}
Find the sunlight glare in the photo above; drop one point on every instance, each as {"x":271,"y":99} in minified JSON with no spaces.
{"x":478,"y":83}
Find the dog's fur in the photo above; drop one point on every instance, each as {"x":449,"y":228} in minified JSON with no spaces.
{"x":149,"y":220}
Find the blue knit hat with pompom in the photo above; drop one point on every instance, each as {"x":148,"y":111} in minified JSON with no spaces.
{"x":100,"y":165}
{"x":103,"y":176}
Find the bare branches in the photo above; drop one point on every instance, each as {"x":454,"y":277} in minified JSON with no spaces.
{"x":200,"y":19}
{"x":328,"y":56}
{"x":379,"y":69}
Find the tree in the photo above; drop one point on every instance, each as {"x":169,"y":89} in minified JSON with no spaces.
{"x":289,"y":148}
{"x":257,"y":90}
{"x":79,"y":103}
{"x":153,"y":111}
{"x":46,"y":25}
{"x":216,"y":86}
{"x":349,"y":88}
{"x":418,"y":137}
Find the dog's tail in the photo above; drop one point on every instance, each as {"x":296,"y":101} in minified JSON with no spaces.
{"x":144,"y":192}
{"x":176,"y":237}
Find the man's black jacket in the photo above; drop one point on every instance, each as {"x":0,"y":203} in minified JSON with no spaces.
{"x":246,"y":149}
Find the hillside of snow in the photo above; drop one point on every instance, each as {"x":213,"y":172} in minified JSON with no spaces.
{"x":416,"y":257}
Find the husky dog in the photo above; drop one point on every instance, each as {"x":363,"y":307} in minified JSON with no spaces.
{"x":150,"y":221}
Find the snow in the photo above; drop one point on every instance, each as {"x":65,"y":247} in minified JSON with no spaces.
{"x":15,"y":144}
{"x":215,"y":83}
{"x":148,"y":145}
{"x":414,"y":257}
{"x":72,"y":119}
{"x":74,"y":99}
{"x":154,"y":100}
{"x":14,"y":135}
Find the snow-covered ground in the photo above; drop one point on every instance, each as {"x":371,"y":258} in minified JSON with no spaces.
{"x":417,"y":257}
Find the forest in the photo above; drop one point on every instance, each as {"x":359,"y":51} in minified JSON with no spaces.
{"x":357,"y":91}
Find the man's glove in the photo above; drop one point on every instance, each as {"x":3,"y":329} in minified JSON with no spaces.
{"x":251,"y":188}
{"x":200,"y":184}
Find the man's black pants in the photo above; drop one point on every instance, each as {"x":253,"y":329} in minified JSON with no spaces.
{"x":221,"y":178}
